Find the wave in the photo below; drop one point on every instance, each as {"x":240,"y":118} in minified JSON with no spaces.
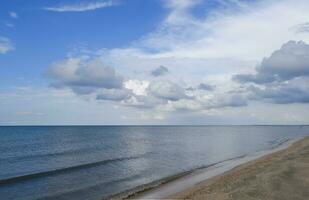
{"x":278,"y":142}
{"x":131,"y":193}
{"x":46,"y":155}
{"x":66,"y":169}
{"x":68,"y":194}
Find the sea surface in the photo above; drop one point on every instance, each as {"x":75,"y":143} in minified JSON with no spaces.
{"x":94,"y":162}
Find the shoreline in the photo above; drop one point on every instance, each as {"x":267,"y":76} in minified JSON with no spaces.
{"x":283,"y":174}
{"x":172,"y":185}
{"x":142,"y":189}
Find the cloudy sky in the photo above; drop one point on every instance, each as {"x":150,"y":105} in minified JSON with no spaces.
{"x":154,"y":62}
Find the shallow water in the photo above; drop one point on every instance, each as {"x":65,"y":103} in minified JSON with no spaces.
{"x":92,"y":162}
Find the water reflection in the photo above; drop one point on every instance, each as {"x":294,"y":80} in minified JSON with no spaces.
{"x":126,"y":156}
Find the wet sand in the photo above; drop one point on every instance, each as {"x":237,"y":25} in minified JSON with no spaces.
{"x":283,"y":175}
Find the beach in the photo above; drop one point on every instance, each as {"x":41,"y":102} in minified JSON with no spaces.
{"x":280,"y":175}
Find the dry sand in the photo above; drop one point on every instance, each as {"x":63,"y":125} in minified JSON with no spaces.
{"x":283,"y":175}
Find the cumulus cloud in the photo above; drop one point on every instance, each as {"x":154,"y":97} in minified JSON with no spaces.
{"x":210,"y":49}
{"x":144,"y":102}
{"x":81,"y":7}
{"x":228,"y":100}
{"x":165,"y":95}
{"x":206,"y":103}
{"x":83,"y":76}
{"x":290,"y":61}
{"x":185,"y":105}
{"x":204,"y":86}
{"x":160,"y":71}
{"x":283,"y":77}
{"x":5,"y":45}
{"x":166,"y":90}
{"x":301,"y":28}
{"x":287,"y":92}
{"x":114,"y":94}
{"x":223,"y":42}
{"x":283,"y":94}
{"x":88,"y":77}
{"x":138,"y":87}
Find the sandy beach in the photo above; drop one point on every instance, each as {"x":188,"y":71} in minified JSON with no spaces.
{"x":283,"y":175}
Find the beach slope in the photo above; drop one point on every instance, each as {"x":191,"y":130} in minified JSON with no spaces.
{"x":283,"y":175}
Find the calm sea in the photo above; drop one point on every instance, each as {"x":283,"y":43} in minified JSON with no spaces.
{"x":93,"y":162}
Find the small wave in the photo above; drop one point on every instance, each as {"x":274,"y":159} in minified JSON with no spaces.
{"x":276,"y":143}
{"x":95,"y":187}
{"x":127,"y":194}
{"x":66,"y":169}
{"x":46,"y":155}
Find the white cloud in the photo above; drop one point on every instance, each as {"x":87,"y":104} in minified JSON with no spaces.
{"x":281,"y":78}
{"x":247,"y":32}
{"x":83,"y":76}
{"x":8,"y":24}
{"x":138,"y":87}
{"x":230,"y":40}
{"x":13,"y":14}
{"x":113,"y":94}
{"x":167,"y":90}
{"x":290,"y":61}
{"x":160,"y":71}
{"x":5,"y":45}
{"x":81,"y":7}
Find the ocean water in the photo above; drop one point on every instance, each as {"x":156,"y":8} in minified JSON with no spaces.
{"x":94,"y":162}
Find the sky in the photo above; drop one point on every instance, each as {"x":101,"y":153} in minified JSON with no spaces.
{"x":154,"y":62}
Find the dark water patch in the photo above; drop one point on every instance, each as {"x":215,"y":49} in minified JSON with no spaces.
{"x":67,"y":169}
{"x":70,"y":152}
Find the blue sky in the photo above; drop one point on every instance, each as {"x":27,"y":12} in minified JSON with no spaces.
{"x":41,"y":37}
{"x":154,"y":62}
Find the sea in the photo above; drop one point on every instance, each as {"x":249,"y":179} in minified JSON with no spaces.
{"x":97,"y":162}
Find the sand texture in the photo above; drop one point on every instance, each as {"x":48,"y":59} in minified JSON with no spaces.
{"x":283,"y":175}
